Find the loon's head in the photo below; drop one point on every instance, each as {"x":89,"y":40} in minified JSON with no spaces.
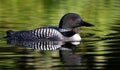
{"x":71,"y":21}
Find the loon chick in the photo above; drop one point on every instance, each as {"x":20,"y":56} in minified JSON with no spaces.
{"x":67,"y":30}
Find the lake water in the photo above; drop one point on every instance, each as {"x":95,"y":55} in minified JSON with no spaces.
{"x":99,"y":48}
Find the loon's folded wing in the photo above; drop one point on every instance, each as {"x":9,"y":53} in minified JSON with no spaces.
{"x":39,"y":33}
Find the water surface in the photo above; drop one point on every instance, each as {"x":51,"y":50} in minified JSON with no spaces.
{"x":99,"y":48}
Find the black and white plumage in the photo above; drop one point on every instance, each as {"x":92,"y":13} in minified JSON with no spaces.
{"x":39,"y":33}
{"x":66,"y":30}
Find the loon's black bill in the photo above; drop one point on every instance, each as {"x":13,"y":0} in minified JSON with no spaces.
{"x":86,"y":24}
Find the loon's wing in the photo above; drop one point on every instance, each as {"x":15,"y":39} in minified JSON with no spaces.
{"x":47,"y":32}
{"x":39,"y":33}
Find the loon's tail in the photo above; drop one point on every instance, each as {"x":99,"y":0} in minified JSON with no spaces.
{"x":9,"y":33}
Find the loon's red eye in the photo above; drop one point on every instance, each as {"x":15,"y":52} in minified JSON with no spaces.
{"x":74,"y":20}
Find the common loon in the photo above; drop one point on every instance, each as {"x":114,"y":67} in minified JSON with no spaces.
{"x":67,"y":31}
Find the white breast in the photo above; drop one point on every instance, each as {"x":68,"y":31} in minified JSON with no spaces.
{"x":75,"y":37}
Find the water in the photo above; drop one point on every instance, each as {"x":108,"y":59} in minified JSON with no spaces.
{"x":99,"y":48}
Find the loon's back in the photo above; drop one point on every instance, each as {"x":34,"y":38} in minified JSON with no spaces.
{"x":39,"y":33}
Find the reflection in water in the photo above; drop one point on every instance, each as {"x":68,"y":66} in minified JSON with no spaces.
{"x":40,"y":45}
{"x":66,"y":50}
{"x":44,"y":44}
{"x":113,"y":43}
{"x":70,"y":59}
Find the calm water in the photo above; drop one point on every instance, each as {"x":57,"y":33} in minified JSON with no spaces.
{"x":99,"y":49}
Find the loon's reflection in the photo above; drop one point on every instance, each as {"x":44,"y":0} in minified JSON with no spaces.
{"x":70,"y":59}
{"x":66,"y":50}
{"x":43,"y":44}
{"x":39,"y":45}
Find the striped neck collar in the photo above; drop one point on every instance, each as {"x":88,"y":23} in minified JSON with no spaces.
{"x":65,"y":30}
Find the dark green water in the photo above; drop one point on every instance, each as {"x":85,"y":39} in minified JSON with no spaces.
{"x":100,"y":46}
